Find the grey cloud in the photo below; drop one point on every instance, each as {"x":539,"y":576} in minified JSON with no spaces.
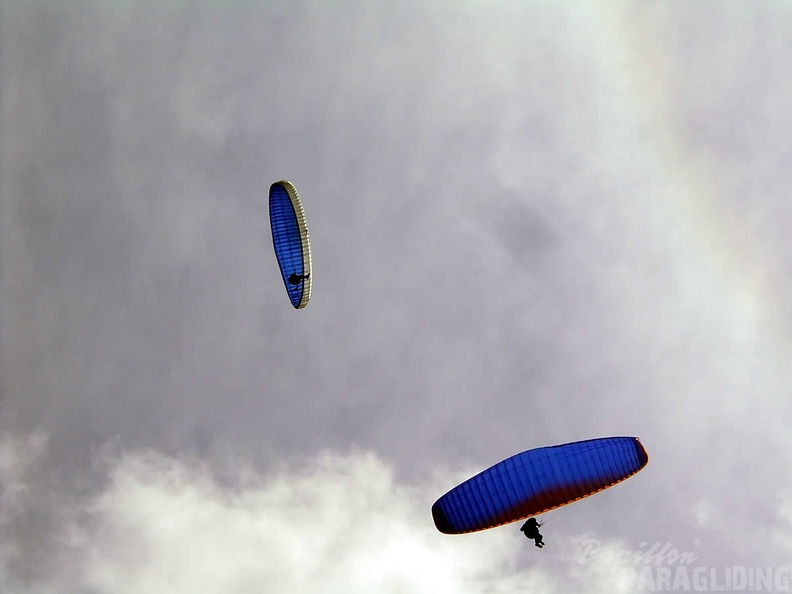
{"x":531,"y":224}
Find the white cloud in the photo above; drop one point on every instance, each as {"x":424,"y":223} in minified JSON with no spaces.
{"x":18,"y":457}
{"x":781,"y":533}
{"x":337,"y":524}
{"x":333,"y":523}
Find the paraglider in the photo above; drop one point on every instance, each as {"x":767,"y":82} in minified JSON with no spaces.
{"x":531,"y":530}
{"x":291,"y":242}
{"x":536,"y":481}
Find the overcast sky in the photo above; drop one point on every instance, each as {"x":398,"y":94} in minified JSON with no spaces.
{"x":532,"y":222}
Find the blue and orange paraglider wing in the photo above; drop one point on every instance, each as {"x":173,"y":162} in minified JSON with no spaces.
{"x":537,"y":481}
{"x":291,"y":241}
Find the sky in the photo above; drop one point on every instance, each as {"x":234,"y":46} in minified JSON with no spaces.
{"x":532,"y":222}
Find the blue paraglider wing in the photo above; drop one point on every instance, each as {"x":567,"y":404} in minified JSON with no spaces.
{"x":537,"y":481}
{"x":291,"y":241}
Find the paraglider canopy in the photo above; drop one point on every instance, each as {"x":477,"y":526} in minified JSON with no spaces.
{"x":537,"y":481}
{"x":291,"y":242}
